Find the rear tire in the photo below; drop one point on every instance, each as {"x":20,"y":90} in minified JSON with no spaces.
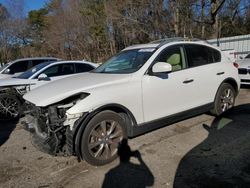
{"x":224,"y":100}
{"x":9,"y":107}
{"x":102,"y":137}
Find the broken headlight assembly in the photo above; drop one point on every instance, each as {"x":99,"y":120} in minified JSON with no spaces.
{"x":66,"y":104}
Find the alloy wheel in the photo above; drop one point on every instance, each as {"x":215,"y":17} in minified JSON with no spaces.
{"x":227,"y":100}
{"x":104,"y":139}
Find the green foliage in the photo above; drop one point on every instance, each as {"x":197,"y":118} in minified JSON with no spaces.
{"x":37,"y":18}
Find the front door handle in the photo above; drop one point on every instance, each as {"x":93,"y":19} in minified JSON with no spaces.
{"x":220,"y":73}
{"x":188,"y":81}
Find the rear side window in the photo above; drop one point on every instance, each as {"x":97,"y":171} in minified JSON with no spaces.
{"x":67,"y":69}
{"x":20,"y":66}
{"x":215,"y":54}
{"x":199,"y":55}
{"x":83,"y":68}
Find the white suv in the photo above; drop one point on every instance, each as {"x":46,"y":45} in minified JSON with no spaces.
{"x":142,"y":88}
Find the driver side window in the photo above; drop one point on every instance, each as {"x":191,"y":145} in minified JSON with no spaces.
{"x":174,"y":56}
{"x":60,"y":70}
{"x":52,"y":71}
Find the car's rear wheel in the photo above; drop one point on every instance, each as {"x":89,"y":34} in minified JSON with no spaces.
{"x":224,"y":100}
{"x":9,"y":107}
{"x":101,"y":138}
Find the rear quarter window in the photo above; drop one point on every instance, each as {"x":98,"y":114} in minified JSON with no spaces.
{"x":83,"y":67}
{"x":216,"y":55}
{"x":198,"y":55}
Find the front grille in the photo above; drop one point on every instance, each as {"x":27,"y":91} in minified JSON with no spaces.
{"x":242,"y":71}
{"x":244,"y":80}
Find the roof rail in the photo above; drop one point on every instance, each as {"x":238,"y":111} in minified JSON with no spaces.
{"x":164,"y":41}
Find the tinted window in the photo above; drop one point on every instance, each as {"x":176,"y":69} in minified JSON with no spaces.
{"x":59,"y":70}
{"x":83,"y":67}
{"x":67,"y":69}
{"x":36,"y":62}
{"x":173,"y":56}
{"x":27,"y":74}
{"x":215,"y":54}
{"x":20,"y":66}
{"x":198,"y":55}
{"x":52,"y":71}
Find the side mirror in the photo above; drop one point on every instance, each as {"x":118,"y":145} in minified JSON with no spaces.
{"x":7,"y":71}
{"x":241,"y":57}
{"x":161,"y":67}
{"x":43,"y":77}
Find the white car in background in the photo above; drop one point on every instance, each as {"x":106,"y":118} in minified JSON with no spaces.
{"x":244,"y":70}
{"x":231,"y":53}
{"x":12,"y":89}
{"x":15,"y":68}
{"x":142,"y":88}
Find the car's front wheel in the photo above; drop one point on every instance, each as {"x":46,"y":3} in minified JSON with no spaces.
{"x":9,"y":106}
{"x":224,"y":100}
{"x":101,"y":138}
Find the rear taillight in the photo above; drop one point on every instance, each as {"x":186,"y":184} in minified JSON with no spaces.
{"x":236,"y":65}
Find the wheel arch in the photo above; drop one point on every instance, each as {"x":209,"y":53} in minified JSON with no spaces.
{"x":230,"y":81}
{"x":233,"y":83}
{"x":81,"y":124}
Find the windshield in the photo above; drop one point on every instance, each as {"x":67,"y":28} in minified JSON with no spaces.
{"x":33,"y":70}
{"x":128,"y":61}
{"x":4,"y":66}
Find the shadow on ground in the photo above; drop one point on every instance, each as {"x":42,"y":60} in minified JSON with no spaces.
{"x":128,"y":174}
{"x":223,"y":159}
{"x":6,"y":128}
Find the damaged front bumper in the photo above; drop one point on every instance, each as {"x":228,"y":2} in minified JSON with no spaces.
{"x":52,"y":129}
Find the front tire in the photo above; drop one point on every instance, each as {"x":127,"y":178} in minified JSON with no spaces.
{"x":9,"y":107}
{"x":101,"y":138}
{"x":224,"y":100}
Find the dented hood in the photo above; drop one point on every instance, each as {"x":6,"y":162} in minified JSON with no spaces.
{"x":61,"y":89}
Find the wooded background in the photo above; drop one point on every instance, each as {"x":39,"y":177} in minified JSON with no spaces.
{"x":96,"y":29}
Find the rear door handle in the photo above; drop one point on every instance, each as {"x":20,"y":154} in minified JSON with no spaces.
{"x":188,"y":81}
{"x":220,"y":73}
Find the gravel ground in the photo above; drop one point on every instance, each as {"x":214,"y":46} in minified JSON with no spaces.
{"x":203,"y":151}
